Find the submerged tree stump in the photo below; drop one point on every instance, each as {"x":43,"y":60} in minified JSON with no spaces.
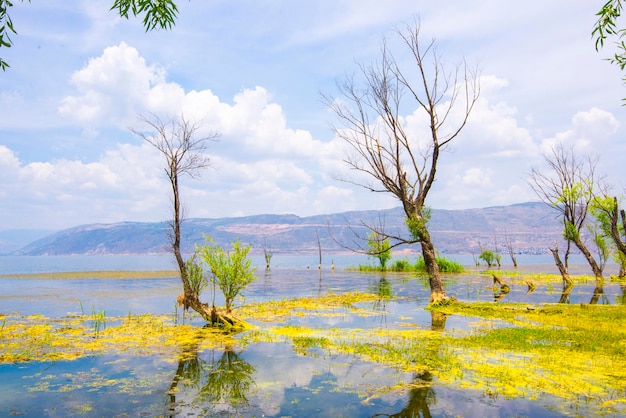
{"x":504,"y":288}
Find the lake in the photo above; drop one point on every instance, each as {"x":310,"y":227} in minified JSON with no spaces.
{"x":257,"y":378}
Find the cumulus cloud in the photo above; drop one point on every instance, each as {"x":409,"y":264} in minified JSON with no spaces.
{"x":261,"y":163}
{"x":590,"y":132}
{"x":122,"y":185}
{"x":112,"y":87}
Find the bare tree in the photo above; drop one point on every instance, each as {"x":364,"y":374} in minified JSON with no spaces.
{"x":570,"y":189}
{"x":399,"y":161}
{"x":185,"y":155}
{"x":510,"y":249}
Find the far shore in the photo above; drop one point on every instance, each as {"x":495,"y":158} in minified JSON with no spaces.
{"x":110,"y":274}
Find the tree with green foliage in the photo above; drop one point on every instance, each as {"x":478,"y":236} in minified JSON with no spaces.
{"x":379,"y":247}
{"x":570,"y":189}
{"x":611,"y":221}
{"x":488,"y":257}
{"x":157,"y":14}
{"x":184,"y":152}
{"x":384,"y":150}
{"x":231,"y":271}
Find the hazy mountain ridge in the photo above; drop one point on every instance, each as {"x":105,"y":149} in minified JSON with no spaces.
{"x":531,"y":227}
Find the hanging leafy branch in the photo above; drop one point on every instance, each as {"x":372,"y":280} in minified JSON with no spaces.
{"x":157,"y":14}
{"x":606,"y":27}
{"x":6,"y":29}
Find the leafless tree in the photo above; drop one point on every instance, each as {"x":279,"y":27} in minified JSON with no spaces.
{"x":184,"y":151}
{"x":382,"y":149}
{"x":510,"y":249}
{"x":569,"y":187}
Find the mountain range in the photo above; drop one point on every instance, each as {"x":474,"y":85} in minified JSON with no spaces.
{"x":529,"y":227}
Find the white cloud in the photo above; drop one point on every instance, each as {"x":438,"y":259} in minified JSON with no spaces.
{"x":591,"y":132}
{"x":112,"y":87}
{"x":255,"y":80}
{"x":124,"y":184}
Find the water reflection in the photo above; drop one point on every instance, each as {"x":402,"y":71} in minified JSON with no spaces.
{"x":220,"y":382}
{"x":598,"y":293}
{"x":567,"y":290}
{"x":500,"y":289}
{"x":438,"y":321}
{"x":384,"y":290}
{"x":421,"y":397}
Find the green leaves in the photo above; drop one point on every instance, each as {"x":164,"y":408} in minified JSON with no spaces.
{"x":6,"y":28}
{"x":606,"y":27}
{"x":195,"y":275}
{"x":158,"y":14}
{"x":379,"y":247}
{"x":231,"y":271}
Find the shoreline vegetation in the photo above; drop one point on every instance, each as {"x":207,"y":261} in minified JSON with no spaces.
{"x":514,"y":276}
{"x":418,"y":266}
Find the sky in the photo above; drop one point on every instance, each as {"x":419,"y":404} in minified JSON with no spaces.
{"x":255,"y":73}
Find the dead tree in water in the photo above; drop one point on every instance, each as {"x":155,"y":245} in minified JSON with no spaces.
{"x":185,"y":155}
{"x":267,"y":255}
{"x":509,"y":247}
{"x":381,"y":145}
{"x":559,"y":264}
{"x":570,"y":190}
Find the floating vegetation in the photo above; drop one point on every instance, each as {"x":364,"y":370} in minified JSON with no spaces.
{"x":38,"y":338}
{"x":574,"y":353}
{"x":326,"y":305}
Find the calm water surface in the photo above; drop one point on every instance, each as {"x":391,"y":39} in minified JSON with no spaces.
{"x":265,"y":379}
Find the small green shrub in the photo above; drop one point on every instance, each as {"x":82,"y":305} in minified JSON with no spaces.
{"x":401,"y":265}
{"x":445,"y":265}
{"x":404,"y":265}
{"x":449,"y":266}
{"x":195,"y":275}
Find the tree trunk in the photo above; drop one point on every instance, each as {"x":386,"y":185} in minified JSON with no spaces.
{"x":597,"y":271}
{"x":437,"y":291}
{"x":559,"y":264}
{"x":615,"y":232}
{"x":210,"y":314}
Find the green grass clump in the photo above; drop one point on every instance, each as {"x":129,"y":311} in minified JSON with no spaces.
{"x":445,"y":265}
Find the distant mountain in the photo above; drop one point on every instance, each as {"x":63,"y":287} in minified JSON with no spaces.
{"x":13,"y":239}
{"x":531,"y":228}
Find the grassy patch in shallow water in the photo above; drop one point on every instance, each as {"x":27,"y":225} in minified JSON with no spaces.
{"x":327,"y":305}
{"x":37,"y":338}
{"x":574,"y":352}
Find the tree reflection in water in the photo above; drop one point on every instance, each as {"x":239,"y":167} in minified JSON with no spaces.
{"x":421,"y":397}
{"x":598,"y":292}
{"x":221,"y":382}
{"x":567,"y":290}
{"x":622,"y":298}
{"x":384,"y":291}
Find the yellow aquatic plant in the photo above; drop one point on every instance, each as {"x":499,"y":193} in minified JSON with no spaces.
{"x":573,"y":352}
{"x":37,"y":338}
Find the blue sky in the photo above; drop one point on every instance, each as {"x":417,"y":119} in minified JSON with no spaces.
{"x":255,"y":71}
